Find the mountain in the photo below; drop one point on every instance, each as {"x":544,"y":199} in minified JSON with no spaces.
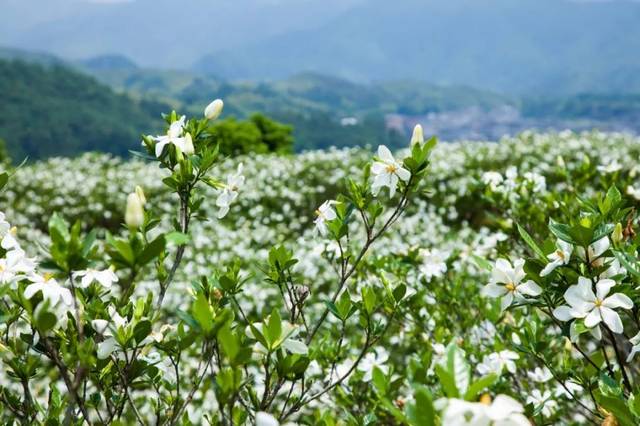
{"x":524,"y":46}
{"x":53,"y":110}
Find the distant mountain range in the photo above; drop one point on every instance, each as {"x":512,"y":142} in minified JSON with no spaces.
{"x":49,"y":106}
{"x":543,"y":47}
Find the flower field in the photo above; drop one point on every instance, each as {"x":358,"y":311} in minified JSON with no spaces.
{"x":497,"y":286}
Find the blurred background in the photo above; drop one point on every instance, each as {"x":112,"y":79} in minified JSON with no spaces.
{"x":92,"y":75}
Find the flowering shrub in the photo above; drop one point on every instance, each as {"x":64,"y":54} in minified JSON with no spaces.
{"x":185,"y":288}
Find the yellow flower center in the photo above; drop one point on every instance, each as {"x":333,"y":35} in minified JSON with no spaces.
{"x":510,"y":287}
{"x":47,"y":276}
{"x":598,"y":302}
{"x":391,"y":168}
{"x":560,"y":254}
{"x":13,"y":231}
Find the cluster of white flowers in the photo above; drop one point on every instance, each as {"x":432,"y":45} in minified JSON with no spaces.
{"x":502,"y":411}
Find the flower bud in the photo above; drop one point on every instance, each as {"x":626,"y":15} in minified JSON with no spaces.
{"x":418,"y":136}
{"x":140,"y":194}
{"x":617,"y":235}
{"x":214,"y":109}
{"x":188,"y":144}
{"x":134,"y":215}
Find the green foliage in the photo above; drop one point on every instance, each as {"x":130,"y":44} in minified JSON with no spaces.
{"x":258,"y":134}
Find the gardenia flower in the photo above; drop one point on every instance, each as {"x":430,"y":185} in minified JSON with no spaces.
{"x":539,"y":399}
{"x":496,"y":362}
{"x":230,"y":192}
{"x":51,"y":290}
{"x":371,"y":360}
{"x":214,"y":109}
{"x":635,"y":346}
{"x":106,"y":329}
{"x":265,"y":419}
{"x":173,"y":136}
{"x":15,"y":265}
{"x":134,"y":215}
{"x":105,"y":277}
{"x":594,"y":308}
{"x":561,"y":256}
{"x":434,"y":263}
{"x":540,"y":375}
{"x":594,"y":252}
{"x":7,"y":234}
{"x":506,"y":283}
{"x":503,"y":411}
{"x":324,"y":213}
{"x":387,"y":172}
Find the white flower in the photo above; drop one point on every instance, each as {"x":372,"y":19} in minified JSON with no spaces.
{"x":107,"y":329}
{"x":230,"y":192}
{"x":540,"y":375}
{"x":15,"y":265}
{"x":594,"y":252}
{"x":173,"y":136}
{"x":105,"y":277}
{"x":324,"y":213}
{"x":134,"y":214}
{"x":434,"y":263}
{"x":543,"y":401}
{"x":506,"y":283}
{"x":51,"y":290}
{"x":611,"y":167}
{"x":371,"y":360}
{"x":635,"y":346}
{"x":417,"y":136}
{"x":265,"y":419}
{"x":496,"y":362}
{"x":594,"y":308}
{"x":7,"y":234}
{"x":214,"y":109}
{"x":387,"y":171}
{"x":560,"y":257}
{"x":493,"y":179}
{"x":506,"y":411}
{"x":503,"y":411}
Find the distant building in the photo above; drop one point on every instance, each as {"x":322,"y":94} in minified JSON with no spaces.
{"x":348,"y":121}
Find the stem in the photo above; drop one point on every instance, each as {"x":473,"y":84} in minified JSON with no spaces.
{"x":625,"y":377}
{"x":184,"y":227}
{"x":371,"y":238}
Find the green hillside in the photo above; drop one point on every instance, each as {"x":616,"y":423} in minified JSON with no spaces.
{"x":53,"y":110}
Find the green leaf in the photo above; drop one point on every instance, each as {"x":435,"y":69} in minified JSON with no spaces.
{"x":177,"y":238}
{"x":142,"y":330}
{"x":561,"y":231}
{"x":379,"y":381}
{"x":151,"y":250}
{"x":531,"y":243}
{"x":202,"y":312}
{"x":479,"y":385}
{"x":447,"y":382}
{"x":422,"y":412}
{"x":273,"y":329}
{"x":458,"y":367}
{"x":4,"y":178}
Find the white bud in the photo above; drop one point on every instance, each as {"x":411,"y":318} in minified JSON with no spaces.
{"x":188,"y":144}
{"x":140,"y":194}
{"x":134,"y":215}
{"x":418,"y":136}
{"x":214,"y":109}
